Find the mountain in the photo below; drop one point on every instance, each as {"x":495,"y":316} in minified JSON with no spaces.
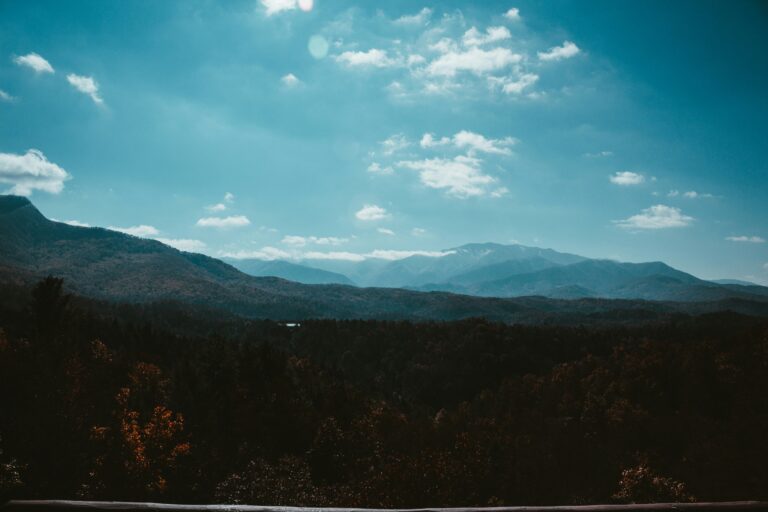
{"x":496,"y":270}
{"x":733,"y":281}
{"x":110,"y":266}
{"x":420,"y":270}
{"x":289,"y":271}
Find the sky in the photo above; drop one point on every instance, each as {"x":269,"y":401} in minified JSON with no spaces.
{"x":331,"y":129}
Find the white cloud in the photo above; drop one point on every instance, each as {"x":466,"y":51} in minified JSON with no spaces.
{"x":277,"y":6}
{"x":471,"y":141}
{"x":290,"y":80}
{"x":229,"y":197}
{"x":627,"y":178}
{"x":514,"y":85}
{"x":376,"y":168}
{"x":415,"y":60}
{"x":599,"y":154}
{"x":419,"y":18}
{"x":31,"y":171}
{"x":428,"y":141}
{"x":183,"y":244}
{"x":265,"y":253}
{"x":76,"y":223}
{"x":386,"y":231}
{"x":301,"y":241}
{"x":370,"y":212}
{"x":34,"y":62}
{"x":394,"y":144}
{"x":566,"y":51}
{"x":476,"y":142}
{"x":474,"y":60}
{"x":474,"y":37}
{"x":86,"y":85}
{"x":512,"y":14}
{"x":418,"y":232}
{"x":372,"y":58}
{"x":499,"y":192}
{"x":233,"y":221}
{"x":337,"y":255}
{"x":382,"y":254}
{"x":444,"y":45}
{"x":399,"y":255}
{"x":461,"y":176}
{"x":142,"y":230}
{"x":4,"y":96}
{"x":656,"y":217}
{"x":218,"y":207}
{"x":747,"y":239}
{"x":692,"y":194}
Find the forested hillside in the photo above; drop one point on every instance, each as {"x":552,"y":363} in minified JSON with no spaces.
{"x":96,"y":404}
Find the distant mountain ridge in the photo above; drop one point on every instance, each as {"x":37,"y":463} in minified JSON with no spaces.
{"x":496,"y":270}
{"x":107,"y":265}
{"x":289,"y":271}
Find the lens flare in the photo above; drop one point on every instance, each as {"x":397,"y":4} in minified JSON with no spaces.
{"x":318,"y":46}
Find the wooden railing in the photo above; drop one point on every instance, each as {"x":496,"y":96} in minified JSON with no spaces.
{"x":115,"y":506}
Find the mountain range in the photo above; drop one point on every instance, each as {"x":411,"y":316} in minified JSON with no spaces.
{"x":496,"y":270}
{"x":107,"y":265}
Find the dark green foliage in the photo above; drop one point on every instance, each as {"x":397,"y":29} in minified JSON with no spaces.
{"x":163,"y":403}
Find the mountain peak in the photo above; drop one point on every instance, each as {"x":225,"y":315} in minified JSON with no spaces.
{"x":9,"y":203}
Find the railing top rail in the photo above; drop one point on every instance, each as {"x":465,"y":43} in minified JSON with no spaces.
{"x":116,"y":506}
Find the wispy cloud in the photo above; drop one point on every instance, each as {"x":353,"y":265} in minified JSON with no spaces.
{"x":420,"y":18}
{"x":301,"y":241}
{"x":627,"y":178}
{"x":447,"y":58}
{"x":271,"y":253}
{"x":376,"y":168}
{"x":4,"y":96}
{"x":394,"y":144}
{"x":371,"y":212}
{"x":218,"y":207}
{"x":265,"y":253}
{"x":273,"y":7}
{"x":31,"y":171}
{"x":290,"y":80}
{"x":473,"y":37}
{"x":656,"y":217}
{"x":184,"y":244}
{"x":34,"y":62}
{"x":75,"y":223}
{"x":473,"y":60}
{"x":565,"y":51}
{"x":143,"y":230}
{"x":746,"y":239}
{"x":372,"y":58}
{"x":599,"y":154}
{"x":514,"y":85}
{"x":386,"y":231}
{"x":233,"y":221}
{"x":86,"y":85}
{"x":471,"y":141}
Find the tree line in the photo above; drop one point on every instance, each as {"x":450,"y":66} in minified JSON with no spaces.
{"x":131,"y":403}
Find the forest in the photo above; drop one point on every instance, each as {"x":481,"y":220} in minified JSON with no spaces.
{"x":164,"y":403}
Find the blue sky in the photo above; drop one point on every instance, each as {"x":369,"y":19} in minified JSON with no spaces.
{"x":331,"y":129}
